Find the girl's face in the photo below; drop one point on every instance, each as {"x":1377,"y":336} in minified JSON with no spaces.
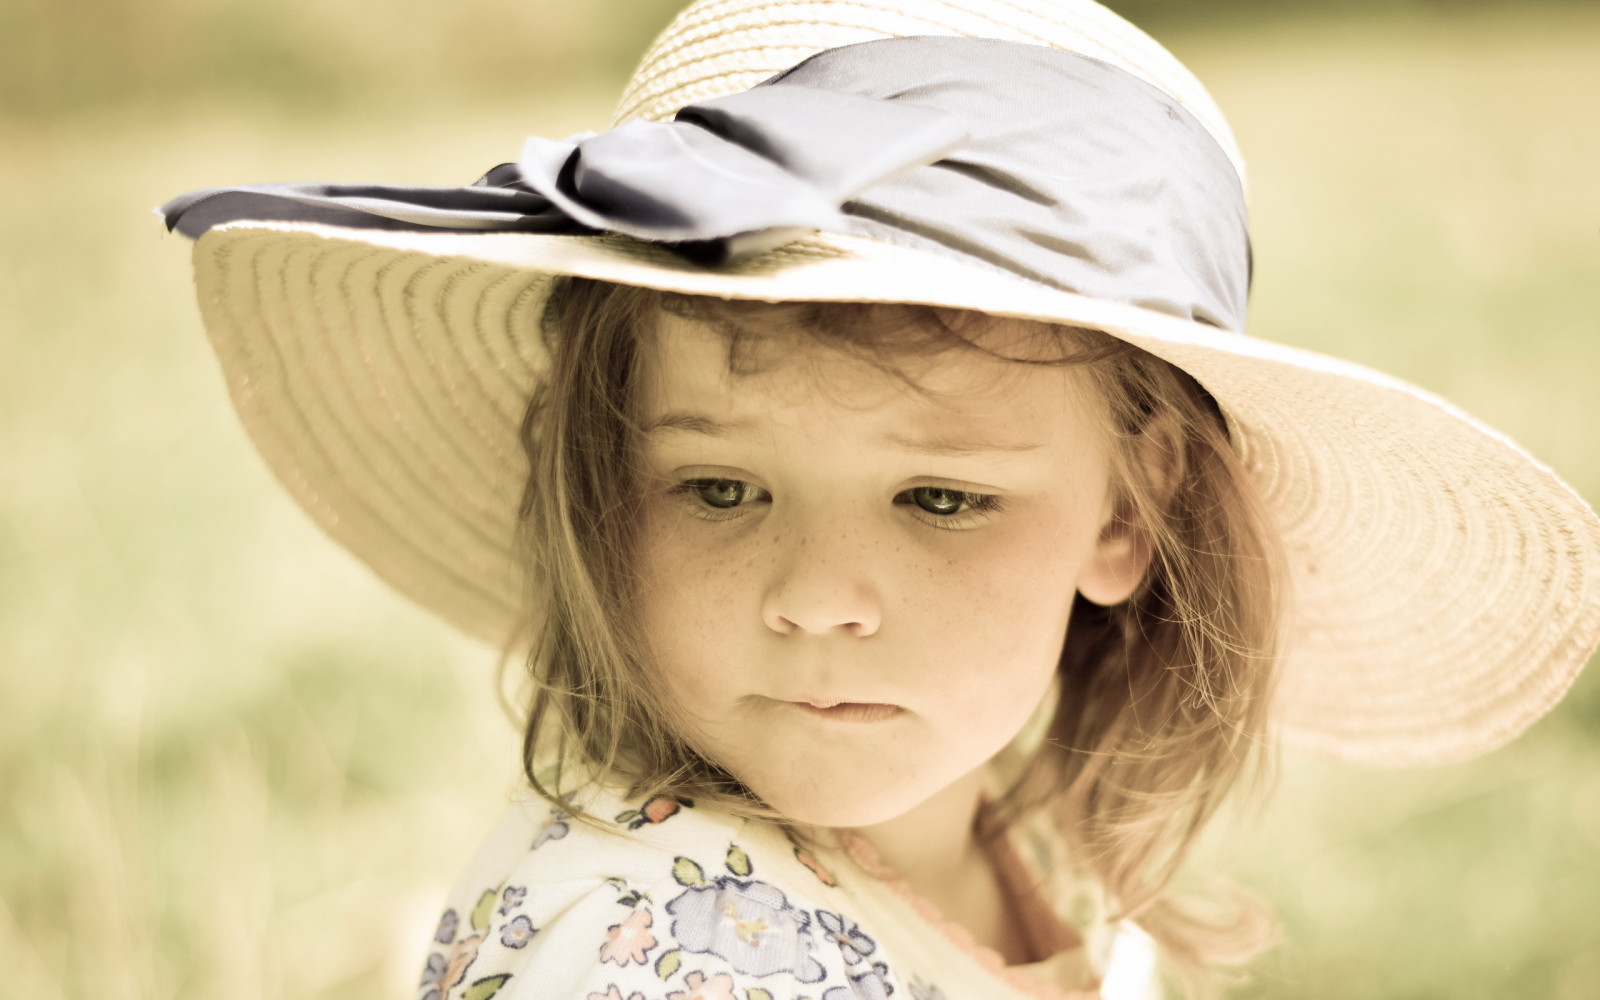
{"x":858,"y":592}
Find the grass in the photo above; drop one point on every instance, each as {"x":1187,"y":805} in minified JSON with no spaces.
{"x":234,"y":764}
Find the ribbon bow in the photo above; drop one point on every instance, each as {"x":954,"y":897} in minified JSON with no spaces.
{"x":725,"y":179}
{"x":1047,"y":164}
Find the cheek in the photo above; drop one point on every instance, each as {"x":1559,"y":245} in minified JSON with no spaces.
{"x":1032,"y":568}
{"x":999,"y":611}
{"x":687,"y":603}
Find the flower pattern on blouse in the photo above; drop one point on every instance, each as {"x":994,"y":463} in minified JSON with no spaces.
{"x":629,"y":941}
{"x":808,"y":859}
{"x":657,"y":810}
{"x":447,"y":928}
{"x":923,"y":991}
{"x":518,"y":932}
{"x":685,"y":926}
{"x":749,"y":924}
{"x":873,"y":984}
{"x":511,"y":898}
{"x":853,"y":944}
{"x":554,"y":829}
{"x":702,"y":988}
{"x":445,"y":971}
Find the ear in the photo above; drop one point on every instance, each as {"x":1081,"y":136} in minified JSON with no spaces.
{"x":1118,"y":561}
{"x":1124,"y":548}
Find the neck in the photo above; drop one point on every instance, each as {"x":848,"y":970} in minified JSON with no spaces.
{"x":932,"y":847}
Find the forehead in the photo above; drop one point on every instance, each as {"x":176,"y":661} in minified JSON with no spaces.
{"x":951,"y":393}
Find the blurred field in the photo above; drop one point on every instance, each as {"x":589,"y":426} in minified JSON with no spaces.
{"x":234,"y":765}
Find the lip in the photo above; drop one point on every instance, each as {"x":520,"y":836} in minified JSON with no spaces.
{"x":849,"y":711}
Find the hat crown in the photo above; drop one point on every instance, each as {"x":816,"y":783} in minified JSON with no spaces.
{"x":714,"y":48}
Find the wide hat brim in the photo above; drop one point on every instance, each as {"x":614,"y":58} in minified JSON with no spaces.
{"x":1446,"y":585}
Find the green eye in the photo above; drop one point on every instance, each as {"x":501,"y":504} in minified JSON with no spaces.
{"x":723,"y":499}
{"x":722,"y":493}
{"x":936,"y":500}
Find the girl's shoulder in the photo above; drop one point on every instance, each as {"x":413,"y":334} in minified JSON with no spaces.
{"x":660,"y":843}
{"x":653,"y":897}
{"x":664,"y":898}
{"x":602,"y":834}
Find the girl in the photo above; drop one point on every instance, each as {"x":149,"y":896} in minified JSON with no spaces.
{"x":908,"y":548}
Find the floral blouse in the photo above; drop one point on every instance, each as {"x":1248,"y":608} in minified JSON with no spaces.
{"x":674,"y":902}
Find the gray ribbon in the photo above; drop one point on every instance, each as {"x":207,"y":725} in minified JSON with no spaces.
{"x":1047,"y":164}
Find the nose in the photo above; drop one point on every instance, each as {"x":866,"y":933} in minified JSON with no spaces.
{"x":821,"y":583}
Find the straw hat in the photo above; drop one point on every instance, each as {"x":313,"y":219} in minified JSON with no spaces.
{"x":1447,"y":585}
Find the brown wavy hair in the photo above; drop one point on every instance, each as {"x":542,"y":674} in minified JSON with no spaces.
{"x":1163,"y":698}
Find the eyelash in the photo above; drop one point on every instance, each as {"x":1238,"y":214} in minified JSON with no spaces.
{"x":979,"y":505}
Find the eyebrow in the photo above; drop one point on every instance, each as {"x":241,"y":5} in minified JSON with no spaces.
{"x":699,"y":423}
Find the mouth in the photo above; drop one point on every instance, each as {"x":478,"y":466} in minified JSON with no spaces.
{"x":849,"y":711}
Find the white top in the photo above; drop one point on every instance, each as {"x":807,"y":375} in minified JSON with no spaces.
{"x":675,"y":902}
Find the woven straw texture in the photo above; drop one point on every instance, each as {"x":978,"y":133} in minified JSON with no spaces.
{"x":1446,"y":585}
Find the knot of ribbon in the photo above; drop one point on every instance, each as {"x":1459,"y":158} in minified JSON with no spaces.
{"x":1050,"y":165}
{"x":725,"y":179}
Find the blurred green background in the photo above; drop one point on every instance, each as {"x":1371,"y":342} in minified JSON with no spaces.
{"x":233,"y":764}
